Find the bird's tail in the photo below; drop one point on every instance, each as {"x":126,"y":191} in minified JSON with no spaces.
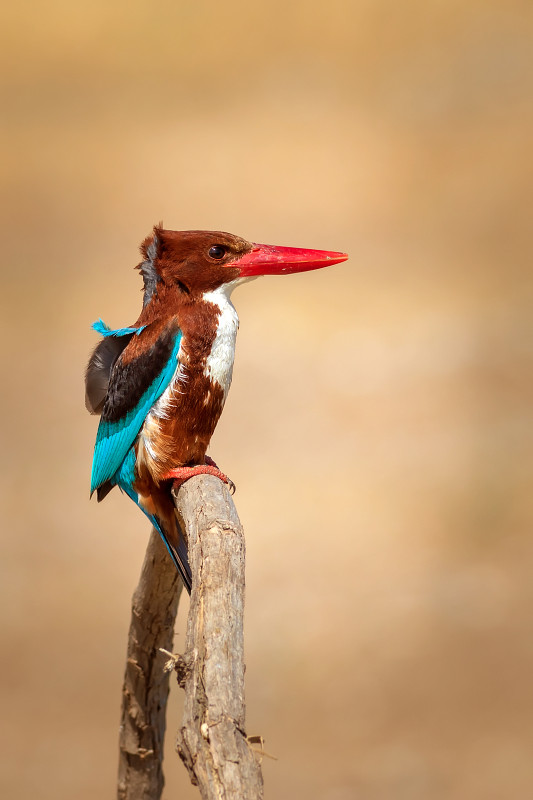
{"x":178,"y":553}
{"x":173,"y":540}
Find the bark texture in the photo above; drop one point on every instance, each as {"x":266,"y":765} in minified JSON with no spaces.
{"x":212,"y":741}
{"x":145,"y":689}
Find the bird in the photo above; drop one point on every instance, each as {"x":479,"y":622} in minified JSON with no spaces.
{"x":160,"y":384}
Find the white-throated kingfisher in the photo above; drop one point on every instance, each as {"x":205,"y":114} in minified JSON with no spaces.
{"x":160,"y":385}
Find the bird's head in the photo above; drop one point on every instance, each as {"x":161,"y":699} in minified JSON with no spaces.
{"x":201,"y":261}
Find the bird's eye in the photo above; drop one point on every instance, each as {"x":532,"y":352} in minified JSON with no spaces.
{"x":217,"y":251}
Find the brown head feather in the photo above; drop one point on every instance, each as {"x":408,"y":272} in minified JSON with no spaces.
{"x":181,"y":259}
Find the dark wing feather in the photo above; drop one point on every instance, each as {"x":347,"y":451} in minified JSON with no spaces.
{"x":99,"y":369}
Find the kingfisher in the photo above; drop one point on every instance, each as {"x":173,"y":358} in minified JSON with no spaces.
{"x":160,"y":384}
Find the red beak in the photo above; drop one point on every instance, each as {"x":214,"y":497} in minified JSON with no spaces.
{"x":265,"y":259}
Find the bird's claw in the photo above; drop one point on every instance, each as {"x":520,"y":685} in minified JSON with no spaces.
{"x":231,"y":486}
{"x":182,"y":474}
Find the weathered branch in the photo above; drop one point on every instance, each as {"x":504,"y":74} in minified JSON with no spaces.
{"x":212,"y":741}
{"x":145,"y":690}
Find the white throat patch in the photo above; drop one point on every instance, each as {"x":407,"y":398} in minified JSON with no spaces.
{"x":219,"y":363}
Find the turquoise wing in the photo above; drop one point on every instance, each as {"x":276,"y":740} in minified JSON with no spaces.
{"x":133,"y":389}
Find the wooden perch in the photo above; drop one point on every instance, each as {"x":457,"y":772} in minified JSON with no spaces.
{"x":212,"y":741}
{"x":145,"y":690}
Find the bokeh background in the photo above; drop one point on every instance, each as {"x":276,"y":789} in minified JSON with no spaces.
{"x":379,"y":425}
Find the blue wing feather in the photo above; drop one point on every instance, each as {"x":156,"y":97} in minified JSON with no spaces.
{"x":104,"y":330}
{"x":115,"y":438}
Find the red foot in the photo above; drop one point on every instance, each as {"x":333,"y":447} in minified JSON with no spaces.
{"x":182,"y":474}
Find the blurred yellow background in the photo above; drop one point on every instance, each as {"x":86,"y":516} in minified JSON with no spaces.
{"x":379,"y":426}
